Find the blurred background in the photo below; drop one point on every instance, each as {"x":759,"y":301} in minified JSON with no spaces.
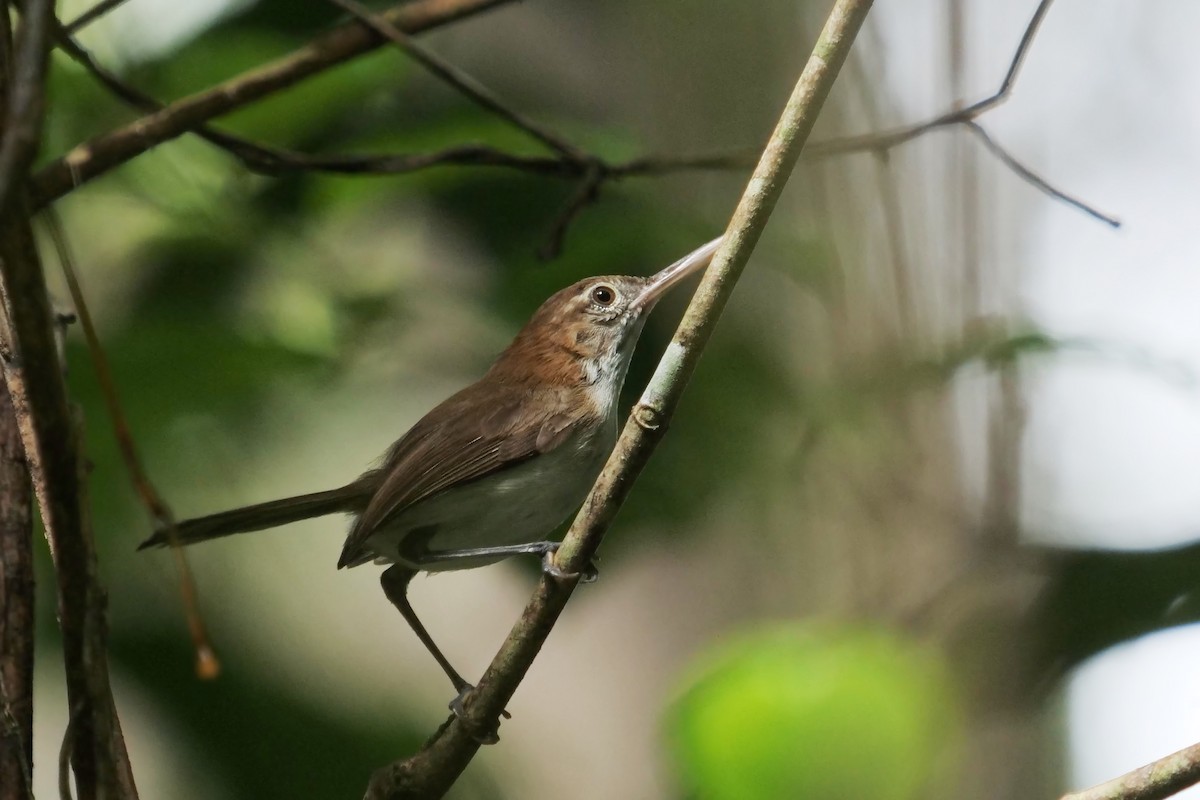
{"x":925,"y":524}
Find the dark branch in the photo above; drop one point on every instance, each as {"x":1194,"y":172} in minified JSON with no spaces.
{"x":591,"y":171}
{"x":16,"y":611}
{"x":584,"y":195}
{"x":110,"y":150}
{"x":49,"y":435}
{"x":1035,"y":180}
{"x":92,"y":14}
{"x":17,"y":597}
{"x":24,"y":99}
{"x":51,"y":442}
{"x":461,"y":81}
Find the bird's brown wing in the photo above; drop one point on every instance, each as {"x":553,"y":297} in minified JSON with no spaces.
{"x":467,"y":437}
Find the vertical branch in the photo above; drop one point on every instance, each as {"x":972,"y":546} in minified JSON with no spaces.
{"x":34,"y":379}
{"x":16,"y":566}
{"x":16,"y":611}
{"x":24,"y":99}
{"x":48,"y":434}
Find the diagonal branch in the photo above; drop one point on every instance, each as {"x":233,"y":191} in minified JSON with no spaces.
{"x":272,"y":160}
{"x":102,"y":153}
{"x":569,"y":163}
{"x":1155,"y":781}
{"x":461,"y":81}
{"x":1035,"y":180}
{"x":430,"y":772}
{"x":92,"y":14}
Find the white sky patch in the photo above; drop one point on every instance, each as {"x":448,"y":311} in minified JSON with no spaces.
{"x":1135,"y":704}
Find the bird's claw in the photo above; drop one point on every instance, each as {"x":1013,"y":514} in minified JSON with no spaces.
{"x":483,"y":735}
{"x":551,"y":568}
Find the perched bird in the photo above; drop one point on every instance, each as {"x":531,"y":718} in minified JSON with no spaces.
{"x":497,"y":467}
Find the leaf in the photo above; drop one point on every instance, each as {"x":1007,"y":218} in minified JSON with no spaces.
{"x":799,"y":711}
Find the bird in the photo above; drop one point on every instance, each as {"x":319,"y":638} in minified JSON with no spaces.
{"x":494,"y":469}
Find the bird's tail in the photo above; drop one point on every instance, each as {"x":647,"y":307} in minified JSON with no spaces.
{"x":346,"y":499}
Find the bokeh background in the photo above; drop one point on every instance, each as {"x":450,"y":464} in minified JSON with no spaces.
{"x":924,"y":526}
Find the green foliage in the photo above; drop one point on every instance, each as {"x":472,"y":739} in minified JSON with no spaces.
{"x":800,"y":711}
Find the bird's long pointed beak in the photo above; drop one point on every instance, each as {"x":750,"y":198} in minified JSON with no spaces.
{"x":659,"y":283}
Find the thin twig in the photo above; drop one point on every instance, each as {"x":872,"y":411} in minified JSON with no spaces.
{"x":92,"y":14}
{"x":882,"y":143}
{"x":584,"y":195}
{"x":1160,"y":779}
{"x":1035,"y":180}
{"x":590,"y":170}
{"x":273,"y":160}
{"x":207,"y":665}
{"x":430,"y":772}
{"x":889,"y":139}
{"x":102,"y":153}
{"x":66,"y":752}
{"x":461,"y":81}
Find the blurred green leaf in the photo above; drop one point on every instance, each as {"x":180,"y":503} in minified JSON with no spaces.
{"x":800,"y":711}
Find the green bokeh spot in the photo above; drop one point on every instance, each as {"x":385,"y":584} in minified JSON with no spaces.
{"x":813,"y":712}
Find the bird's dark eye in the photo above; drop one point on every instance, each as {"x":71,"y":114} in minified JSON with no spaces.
{"x":604,"y":295}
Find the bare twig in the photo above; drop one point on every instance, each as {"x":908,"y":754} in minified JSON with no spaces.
{"x":66,"y":750}
{"x":1035,"y":180}
{"x":461,"y":81}
{"x":568,"y":163}
{"x":967,"y":116}
{"x":92,"y":14}
{"x":104,"y":152}
{"x":1157,"y":780}
{"x":207,"y":665}
{"x":430,"y":772}
{"x":889,"y":139}
{"x":584,"y":195}
{"x":271,"y":160}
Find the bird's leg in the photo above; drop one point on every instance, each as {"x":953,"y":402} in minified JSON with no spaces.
{"x":544,"y":549}
{"x":395,"y":580}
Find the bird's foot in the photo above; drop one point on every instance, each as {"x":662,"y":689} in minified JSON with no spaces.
{"x":482,"y":734}
{"x":551,"y":568}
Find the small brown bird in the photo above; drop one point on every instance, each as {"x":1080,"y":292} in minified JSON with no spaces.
{"x":493,"y":470}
